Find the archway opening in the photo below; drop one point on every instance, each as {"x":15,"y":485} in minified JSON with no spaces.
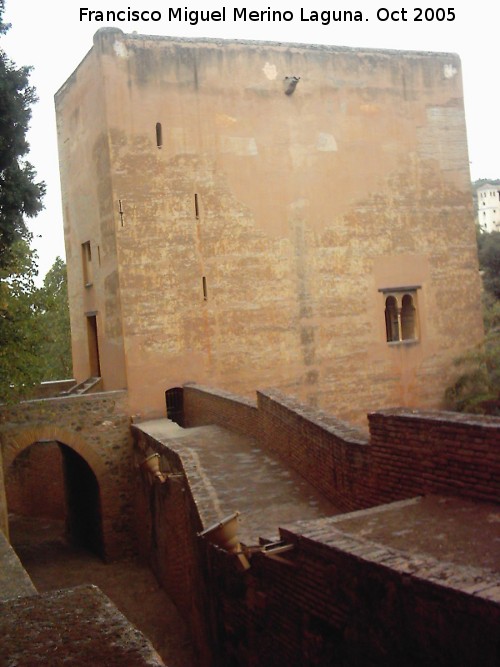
{"x":83,"y":506}
{"x":53,"y":496}
{"x":174,"y":398}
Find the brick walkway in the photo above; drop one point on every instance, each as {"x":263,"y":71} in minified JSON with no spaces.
{"x":229,"y":472}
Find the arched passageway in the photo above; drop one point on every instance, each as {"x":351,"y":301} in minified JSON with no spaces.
{"x":51,"y":481}
{"x":83,"y":506}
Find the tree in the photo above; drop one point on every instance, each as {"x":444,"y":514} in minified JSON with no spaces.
{"x":54,"y":319}
{"x":489,"y":261}
{"x":20,"y":332}
{"x":20,"y":195}
{"x":477,"y":387}
{"x":35,"y":339}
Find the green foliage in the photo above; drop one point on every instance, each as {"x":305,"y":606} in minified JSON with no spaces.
{"x":34,"y":325}
{"x":56,"y":345}
{"x":489,"y":261}
{"x":20,"y":331}
{"x":33,"y":330}
{"x":477,"y":387}
{"x":20,"y":195}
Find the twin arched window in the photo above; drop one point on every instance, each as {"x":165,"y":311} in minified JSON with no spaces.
{"x":400,"y":317}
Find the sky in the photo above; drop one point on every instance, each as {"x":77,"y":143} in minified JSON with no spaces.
{"x":53,"y":37}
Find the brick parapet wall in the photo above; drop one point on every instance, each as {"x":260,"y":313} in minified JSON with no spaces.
{"x":385,"y":602}
{"x":408,"y":452}
{"x":330,"y":454}
{"x":74,"y":626}
{"x":205,"y":405}
{"x":335,"y":598}
{"x":420,"y":452}
{"x":168,"y":520}
{"x":339,"y":599}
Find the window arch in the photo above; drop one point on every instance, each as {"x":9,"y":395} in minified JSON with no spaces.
{"x":391,"y":319}
{"x":408,"y":318}
{"x":400,"y":313}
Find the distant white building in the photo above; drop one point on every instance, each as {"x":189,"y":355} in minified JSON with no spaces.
{"x":488,"y":207}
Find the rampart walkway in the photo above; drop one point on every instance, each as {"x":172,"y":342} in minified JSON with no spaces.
{"x":230,"y":472}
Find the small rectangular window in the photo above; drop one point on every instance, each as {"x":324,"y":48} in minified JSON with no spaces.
{"x":204,"y":284}
{"x":196,"y":207}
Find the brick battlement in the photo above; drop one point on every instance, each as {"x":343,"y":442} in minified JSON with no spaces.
{"x":407,"y":452}
{"x":411,"y":577}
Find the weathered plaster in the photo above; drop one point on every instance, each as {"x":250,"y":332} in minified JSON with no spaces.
{"x":295,"y":209}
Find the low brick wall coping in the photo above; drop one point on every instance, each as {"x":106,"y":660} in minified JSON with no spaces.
{"x":440,"y":416}
{"x":336,"y":427}
{"x":221,"y":393}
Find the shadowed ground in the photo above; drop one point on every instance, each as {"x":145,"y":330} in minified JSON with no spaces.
{"x":53,"y":564}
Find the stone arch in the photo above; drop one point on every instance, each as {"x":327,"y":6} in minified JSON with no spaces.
{"x":83,"y":489}
{"x":16,"y":440}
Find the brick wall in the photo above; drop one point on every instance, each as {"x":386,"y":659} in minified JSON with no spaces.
{"x":331,"y":455}
{"x":34,"y":482}
{"x":205,"y":405}
{"x":14,"y":580}
{"x":167,"y":525}
{"x":417,"y":452}
{"x":407,"y":453}
{"x":334,"y":598}
{"x":338,"y":600}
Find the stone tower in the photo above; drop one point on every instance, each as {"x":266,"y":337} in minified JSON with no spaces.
{"x":246,"y":214}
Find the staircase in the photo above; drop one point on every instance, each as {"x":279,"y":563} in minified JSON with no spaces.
{"x":82,"y":388}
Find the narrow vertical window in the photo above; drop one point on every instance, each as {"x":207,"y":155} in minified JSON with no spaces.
{"x":87,"y":264}
{"x":204,"y":284}
{"x":159,"y":138}
{"x":120,"y":211}
{"x":196,"y":207}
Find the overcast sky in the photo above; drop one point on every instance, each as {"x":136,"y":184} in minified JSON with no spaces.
{"x":50,"y":36}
